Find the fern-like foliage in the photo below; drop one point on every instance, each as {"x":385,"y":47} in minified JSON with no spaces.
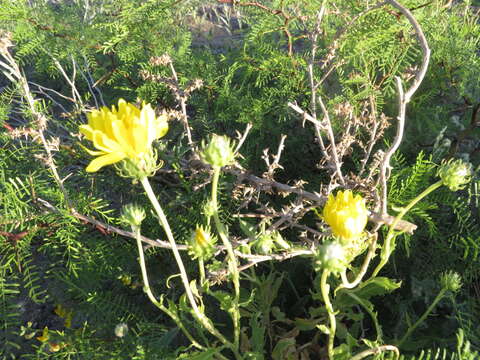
{"x":463,"y":352}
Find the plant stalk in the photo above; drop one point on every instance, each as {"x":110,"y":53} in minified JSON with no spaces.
{"x":198,"y":315}
{"x":148,"y":290}
{"x":232,"y":260}
{"x":325,"y":288}
{"x":387,"y":246}
{"x":412,"y":328}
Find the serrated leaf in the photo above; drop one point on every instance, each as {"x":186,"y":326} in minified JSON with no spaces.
{"x":377,"y":286}
{"x":225,"y":300}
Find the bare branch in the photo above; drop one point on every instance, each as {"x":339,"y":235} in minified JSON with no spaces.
{"x":403,"y":99}
{"x":243,"y":138}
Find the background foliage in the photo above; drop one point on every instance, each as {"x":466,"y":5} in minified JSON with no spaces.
{"x":242,"y":56}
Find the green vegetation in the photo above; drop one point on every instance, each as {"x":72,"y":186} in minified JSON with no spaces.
{"x":268,"y":278}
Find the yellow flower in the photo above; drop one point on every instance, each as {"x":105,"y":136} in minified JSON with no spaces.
{"x":123,"y":133}
{"x":201,"y":243}
{"x":346,"y":214}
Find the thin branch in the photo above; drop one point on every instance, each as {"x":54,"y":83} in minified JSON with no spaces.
{"x":376,"y":351}
{"x":403,"y":99}
{"x":243,"y":137}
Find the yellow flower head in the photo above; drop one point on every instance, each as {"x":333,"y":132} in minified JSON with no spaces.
{"x":201,"y":243}
{"x":346,"y":214}
{"x":123,"y":133}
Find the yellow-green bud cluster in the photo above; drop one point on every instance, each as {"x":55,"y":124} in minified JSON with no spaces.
{"x":218,"y":152}
{"x":268,"y":241}
{"x":451,"y":281}
{"x":455,"y":174}
{"x":209,"y":208}
{"x":133,"y":215}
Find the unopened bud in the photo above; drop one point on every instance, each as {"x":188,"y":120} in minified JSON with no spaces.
{"x":133,"y":214}
{"x":121,"y":330}
{"x":451,"y":281}
{"x":332,"y":257}
{"x":218,"y":152}
{"x":455,"y":174}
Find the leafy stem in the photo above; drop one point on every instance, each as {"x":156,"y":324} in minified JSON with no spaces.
{"x":422,"y":318}
{"x":148,"y":290}
{"x":325,"y":288}
{"x":198,"y":315}
{"x":387,"y":246}
{"x":232,"y":260}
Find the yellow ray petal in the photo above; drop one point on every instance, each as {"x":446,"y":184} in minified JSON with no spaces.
{"x":87,"y":131}
{"x":101,"y":161}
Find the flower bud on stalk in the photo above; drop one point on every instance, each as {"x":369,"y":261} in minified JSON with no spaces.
{"x":331,"y":257}
{"x":455,"y":174}
{"x":133,"y":215}
{"x":218,"y":152}
{"x":451,"y":281}
{"x":201,"y":244}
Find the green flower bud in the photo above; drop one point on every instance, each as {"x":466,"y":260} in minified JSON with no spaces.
{"x":331,"y":256}
{"x":201,"y":244}
{"x":455,"y":174}
{"x":133,"y":215}
{"x":121,"y":330}
{"x":209,"y":208}
{"x":137,"y":169}
{"x":218,"y":152}
{"x":451,"y":281}
{"x":264,"y":243}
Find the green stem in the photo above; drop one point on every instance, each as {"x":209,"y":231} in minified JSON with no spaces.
{"x":387,"y":246}
{"x":370,"y":312}
{"x":377,"y":350}
{"x":150,"y":295}
{"x":201,"y":270}
{"x":363,"y":270}
{"x":412,"y":328}
{"x":232,"y":260}
{"x":325,"y":288}
{"x":198,"y":315}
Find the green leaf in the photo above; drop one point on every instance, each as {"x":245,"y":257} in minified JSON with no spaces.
{"x":377,"y":286}
{"x":283,"y":349}
{"x":258,"y":333}
{"x":247,"y":228}
{"x":305,"y":324}
{"x":342,"y":352}
{"x":225,"y":300}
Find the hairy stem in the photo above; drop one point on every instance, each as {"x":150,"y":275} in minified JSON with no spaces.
{"x":376,"y":351}
{"x":148,"y":290}
{"x":387,"y":246}
{"x":412,"y":328}
{"x":363,"y":270}
{"x":325,"y":288}
{"x":198,"y":315}
{"x":232,"y":260}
